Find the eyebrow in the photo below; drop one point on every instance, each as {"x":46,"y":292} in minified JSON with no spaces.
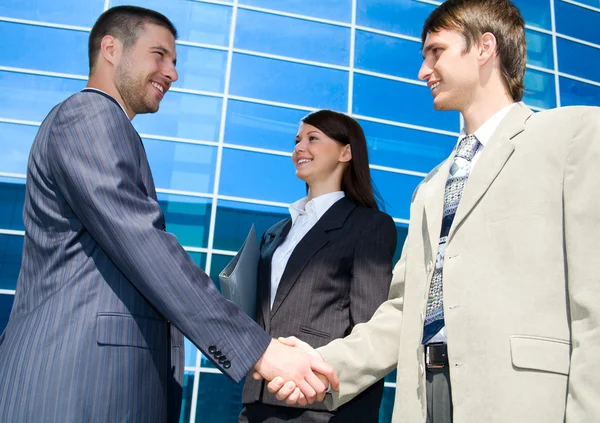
{"x":429,"y":48}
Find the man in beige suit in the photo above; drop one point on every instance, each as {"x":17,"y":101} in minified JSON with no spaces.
{"x":512,"y":332}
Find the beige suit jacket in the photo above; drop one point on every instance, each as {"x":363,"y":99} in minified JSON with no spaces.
{"x":521,"y":283}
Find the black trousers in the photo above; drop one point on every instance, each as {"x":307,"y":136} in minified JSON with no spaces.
{"x":439,"y":398}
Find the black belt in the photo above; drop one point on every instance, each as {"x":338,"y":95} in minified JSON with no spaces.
{"x":436,"y":356}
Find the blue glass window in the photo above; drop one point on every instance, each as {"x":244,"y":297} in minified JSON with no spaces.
{"x":190,"y":353}
{"x":182,"y":166}
{"x":337,"y":10}
{"x":235,"y":219}
{"x":201,"y":68}
{"x":400,"y":102}
{"x":536,"y":12}
{"x":292,"y":83}
{"x":246,"y":174}
{"x":15,"y":143}
{"x":401,"y":233}
{"x":31,"y":97}
{"x":68,"y":12}
{"x":574,"y":93}
{"x":218,"y":263}
{"x":292,"y":37}
{"x":11,"y":247}
{"x":12,"y":198}
{"x":386,"y":408}
{"x":6,"y":303}
{"x":539,"y":49}
{"x":397,"y":190}
{"x":260,"y":125}
{"x":183,"y":115}
{"x":219,"y":399}
{"x":577,"y":21}
{"x":35,"y":47}
{"x":195,"y":21}
{"x":388,"y":55}
{"x":540,"y":90}
{"x":404,"y":148}
{"x":578,"y":59}
{"x":404,"y":17}
{"x":187,"y":397}
{"x":188,"y":218}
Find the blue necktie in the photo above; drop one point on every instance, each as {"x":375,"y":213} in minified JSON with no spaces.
{"x":455,"y":184}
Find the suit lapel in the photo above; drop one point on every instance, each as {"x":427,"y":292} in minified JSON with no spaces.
{"x":493,"y":158}
{"x":273,"y":239}
{"x":312,"y":242}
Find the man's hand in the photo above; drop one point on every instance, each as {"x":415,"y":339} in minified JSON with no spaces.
{"x":298,"y":366}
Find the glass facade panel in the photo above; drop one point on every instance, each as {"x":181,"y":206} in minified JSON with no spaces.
{"x":260,"y":125}
{"x":405,"y":148}
{"x":404,"y":17}
{"x":190,"y":353}
{"x":15,"y":143}
{"x":235,"y":219}
{"x":385,"y":99}
{"x":182,"y":166}
{"x":536,"y":12}
{"x":573,"y":93}
{"x":540,"y":89}
{"x":577,"y":21}
{"x":397,"y":190}
{"x":188,"y":218}
{"x":219,"y":262}
{"x":297,"y":38}
{"x":31,"y":97}
{"x":387,"y":55}
{"x":12,"y":198}
{"x":183,"y":115}
{"x":578,"y":59}
{"x":10,"y":260}
{"x":67,"y":12}
{"x":337,"y":10}
{"x":293,"y":83}
{"x":539,"y":49}
{"x":6,"y":303}
{"x":195,"y":21}
{"x":219,"y":399}
{"x":246,"y":174}
{"x":401,"y":233}
{"x":35,"y":47}
{"x":187,"y":397}
{"x":201,"y":69}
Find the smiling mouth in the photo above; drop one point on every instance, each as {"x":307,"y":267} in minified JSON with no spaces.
{"x":159,"y":88}
{"x":302,"y":161}
{"x":434,"y":86}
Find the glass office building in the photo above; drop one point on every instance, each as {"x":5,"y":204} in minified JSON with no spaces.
{"x":221,"y":143}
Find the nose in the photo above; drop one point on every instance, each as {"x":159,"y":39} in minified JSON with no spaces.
{"x":300,"y":146}
{"x":425,"y":71}
{"x":171,"y":73}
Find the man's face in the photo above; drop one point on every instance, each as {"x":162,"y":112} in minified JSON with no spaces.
{"x":147,"y":70}
{"x":452,"y":74}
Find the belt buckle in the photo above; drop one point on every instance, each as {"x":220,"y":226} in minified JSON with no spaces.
{"x":429,"y":363}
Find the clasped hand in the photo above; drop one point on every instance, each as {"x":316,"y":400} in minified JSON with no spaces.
{"x":296,"y":372}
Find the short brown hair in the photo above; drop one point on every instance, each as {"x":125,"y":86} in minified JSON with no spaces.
{"x":124,"y":23}
{"x":473,"y":18}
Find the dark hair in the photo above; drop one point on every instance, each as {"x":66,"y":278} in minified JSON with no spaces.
{"x":124,"y":23}
{"x":356,"y":180}
{"x":473,"y":18}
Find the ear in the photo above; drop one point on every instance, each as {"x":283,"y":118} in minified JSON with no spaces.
{"x":346,"y":155}
{"x":111,"y":49}
{"x":487,"y":47}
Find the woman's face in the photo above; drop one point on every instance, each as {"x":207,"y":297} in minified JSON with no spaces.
{"x":317,"y":157}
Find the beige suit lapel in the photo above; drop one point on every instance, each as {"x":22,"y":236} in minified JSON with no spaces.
{"x":493,"y":158}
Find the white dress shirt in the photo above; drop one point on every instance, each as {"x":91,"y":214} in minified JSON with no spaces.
{"x":305,"y":215}
{"x":483,"y":134}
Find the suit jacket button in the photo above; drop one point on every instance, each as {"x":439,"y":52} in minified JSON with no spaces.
{"x":217,"y":354}
{"x":212,"y":349}
{"x":222,"y":359}
{"x":227,"y":364}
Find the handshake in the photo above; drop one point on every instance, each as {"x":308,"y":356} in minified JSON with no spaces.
{"x":297,"y":373}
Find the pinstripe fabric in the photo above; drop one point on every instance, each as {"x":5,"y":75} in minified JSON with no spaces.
{"x":336,"y":277}
{"x":89,"y":338}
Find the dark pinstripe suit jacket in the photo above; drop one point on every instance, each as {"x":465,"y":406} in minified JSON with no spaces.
{"x":336,"y":277}
{"x":90,"y":338}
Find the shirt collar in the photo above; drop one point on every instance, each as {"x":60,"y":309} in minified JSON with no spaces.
{"x":315,"y":207}
{"x":107,"y":94}
{"x":485,"y":132}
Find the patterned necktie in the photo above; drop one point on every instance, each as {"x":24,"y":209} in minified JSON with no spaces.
{"x":457,"y":178}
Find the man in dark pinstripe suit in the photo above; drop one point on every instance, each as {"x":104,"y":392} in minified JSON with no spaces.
{"x":104,"y":293}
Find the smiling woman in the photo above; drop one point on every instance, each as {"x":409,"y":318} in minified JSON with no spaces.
{"x":328,"y":266}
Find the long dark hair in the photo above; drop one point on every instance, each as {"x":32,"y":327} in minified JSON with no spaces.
{"x":356,"y":180}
